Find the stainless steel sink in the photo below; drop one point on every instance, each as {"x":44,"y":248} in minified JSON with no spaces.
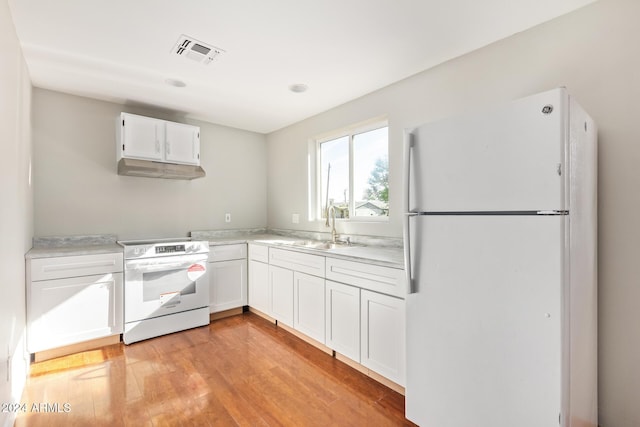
{"x":316,"y":244}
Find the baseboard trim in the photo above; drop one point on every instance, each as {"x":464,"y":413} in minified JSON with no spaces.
{"x":372,"y":374}
{"x":226,"y":313}
{"x":76,"y":348}
{"x":263,"y":315}
{"x":344,"y":359}
{"x":306,"y":339}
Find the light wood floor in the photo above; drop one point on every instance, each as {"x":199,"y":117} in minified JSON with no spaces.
{"x":241,"y":370}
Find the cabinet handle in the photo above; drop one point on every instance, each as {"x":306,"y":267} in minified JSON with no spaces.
{"x":167,"y":148}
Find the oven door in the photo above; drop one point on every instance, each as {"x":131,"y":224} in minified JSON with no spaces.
{"x":164,"y":285}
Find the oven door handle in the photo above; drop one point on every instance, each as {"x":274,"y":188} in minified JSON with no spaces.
{"x":152,"y":267}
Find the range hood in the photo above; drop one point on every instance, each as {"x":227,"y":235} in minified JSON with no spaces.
{"x":150,"y":169}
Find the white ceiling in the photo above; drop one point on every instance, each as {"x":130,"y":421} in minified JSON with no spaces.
{"x":120,"y":50}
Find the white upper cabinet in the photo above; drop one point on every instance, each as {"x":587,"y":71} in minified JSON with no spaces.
{"x":182,"y":143}
{"x":142,"y":137}
{"x":145,"y":138}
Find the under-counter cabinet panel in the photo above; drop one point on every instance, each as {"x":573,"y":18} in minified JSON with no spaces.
{"x":297,"y":261}
{"x":227,"y":252}
{"x":343,"y":319}
{"x":259,"y":253}
{"x":73,"y":266}
{"x":259,"y":286}
{"x":367,"y":276}
{"x":309,"y":305}
{"x":73,"y":299}
{"x":72,"y":310}
{"x":281,"y":286}
{"x":383,"y":335}
{"x":228,"y":285}
{"x":227,"y":277}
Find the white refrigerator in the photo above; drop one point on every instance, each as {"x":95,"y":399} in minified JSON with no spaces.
{"x":500,"y":252}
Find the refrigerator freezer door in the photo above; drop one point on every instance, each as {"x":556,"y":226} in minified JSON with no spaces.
{"x":504,"y":159}
{"x":484,"y":328}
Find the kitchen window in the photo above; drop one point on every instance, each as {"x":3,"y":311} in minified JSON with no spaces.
{"x":352,"y":173}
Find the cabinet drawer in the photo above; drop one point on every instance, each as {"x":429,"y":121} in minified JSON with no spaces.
{"x":368,"y":276}
{"x":75,"y":266}
{"x":227,"y":252}
{"x":259,"y":253}
{"x":297,"y":261}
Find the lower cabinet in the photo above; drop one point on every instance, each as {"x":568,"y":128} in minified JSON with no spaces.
{"x":227,"y":277}
{"x":382,"y":347}
{"x":71,"y":310}
{"x":309,"y":305}
{"x":281,"y":292}
{"x":228,"y":285}
{"x":357,"y":310}
{"x":343,"y":319}
{"x":73,"y":299}
{"x":259,"y":297}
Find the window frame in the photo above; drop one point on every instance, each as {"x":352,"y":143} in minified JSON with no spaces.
{"x":315,"y":173}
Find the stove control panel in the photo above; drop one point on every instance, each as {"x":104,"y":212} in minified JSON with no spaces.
{"x":170,"y":249}
{"x":159,"y":249}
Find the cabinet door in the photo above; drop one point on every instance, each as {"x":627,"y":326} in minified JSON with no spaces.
{"x":281,"y":287}
{"x":259,"y":286}
{"x":182,"y":144}
{"x":72,"y":310}
{"x":143,"y":137}
{"x":308,"y":305}
{"x":383,"y":335}
{"x":228,"y":285}
{"x":343,"y":319}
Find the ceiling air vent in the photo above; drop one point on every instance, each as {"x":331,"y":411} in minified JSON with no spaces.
{"x":188,"y":47}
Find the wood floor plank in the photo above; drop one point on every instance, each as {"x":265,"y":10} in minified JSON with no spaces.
{"x":238,"y":371}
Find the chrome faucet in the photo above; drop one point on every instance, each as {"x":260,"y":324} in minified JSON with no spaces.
{"x":334,"y":234}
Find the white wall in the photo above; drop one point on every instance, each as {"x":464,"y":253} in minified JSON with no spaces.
{"x":16,"y":209}
{"x":594,"y":53}
{"x":78,"y":191}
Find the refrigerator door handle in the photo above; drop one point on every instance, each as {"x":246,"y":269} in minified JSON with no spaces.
{"x":407,"y":251}
{"x":406,"y":231}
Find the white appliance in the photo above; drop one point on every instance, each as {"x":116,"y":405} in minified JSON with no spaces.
{"x":166,"y":287}
{"x":500,"y":247}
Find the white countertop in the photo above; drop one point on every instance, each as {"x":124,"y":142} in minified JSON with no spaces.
{"x":387,"y":256}
{"x":73,"y":250}
{"x":379,"y":255}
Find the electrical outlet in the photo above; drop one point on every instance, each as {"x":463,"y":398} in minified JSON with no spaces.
{"x":295,"y":218}
{"x":227,"y":217}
